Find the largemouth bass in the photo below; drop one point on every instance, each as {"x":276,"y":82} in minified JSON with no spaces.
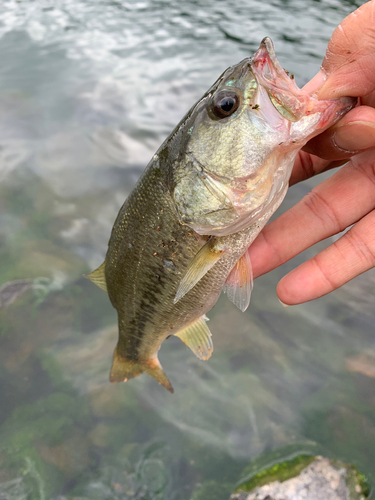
{"x":182,"y":235}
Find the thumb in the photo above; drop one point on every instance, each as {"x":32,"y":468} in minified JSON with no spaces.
{"x":348,"y":67}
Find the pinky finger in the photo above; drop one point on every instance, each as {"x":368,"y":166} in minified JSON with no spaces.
{"x":349,"y":256}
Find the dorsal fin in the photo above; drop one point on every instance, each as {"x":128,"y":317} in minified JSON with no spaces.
{"x":203,"y":261}
{"x":239,"y":283}
{"x":197,"y":336}
{"x":98,"y":277}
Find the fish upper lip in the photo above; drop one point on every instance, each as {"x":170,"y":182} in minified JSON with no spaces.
{"x":265,"y":58}
{"x":276,"y":81}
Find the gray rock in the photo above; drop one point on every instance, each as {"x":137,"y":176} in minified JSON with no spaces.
{"x":320,"y":480}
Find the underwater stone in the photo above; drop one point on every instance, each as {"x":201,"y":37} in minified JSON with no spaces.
{"x":321,"y":479}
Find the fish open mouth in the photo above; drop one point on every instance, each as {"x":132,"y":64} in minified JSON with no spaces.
{"x":288,"y":99}
{"x":265,"y":62}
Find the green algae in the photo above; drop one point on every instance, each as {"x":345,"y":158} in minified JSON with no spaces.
{"x":277,"y":472}
{"x":43,"y":440}
{"x":355,"y":480}
{"x":47,"y":419}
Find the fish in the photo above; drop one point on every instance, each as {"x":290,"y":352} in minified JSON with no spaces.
{"x":181,"y":236}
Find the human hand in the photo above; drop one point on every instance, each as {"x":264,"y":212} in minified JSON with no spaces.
{"x":345,"y":199}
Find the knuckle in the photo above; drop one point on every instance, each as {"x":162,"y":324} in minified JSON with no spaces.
{"x":324,"y":273}
{"x":361,"y":248}
{"x":272,"y":249}
{"x":322,"y":210}
{"x":307,"y":165}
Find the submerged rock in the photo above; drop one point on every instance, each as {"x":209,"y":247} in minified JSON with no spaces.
{"x":363,"y":363}
{"x":13,"y":289}
{"x":305,"y":478}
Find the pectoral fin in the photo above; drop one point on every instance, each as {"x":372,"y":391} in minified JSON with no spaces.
{"x":204,"y":260}
{"x":124,"y":369}
{"x":239,"y":283}
{"x":98,"y":277}
{"x":197,"y":336}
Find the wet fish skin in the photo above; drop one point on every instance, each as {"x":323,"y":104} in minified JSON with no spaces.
{"x":202,"y":200}
{"x":159,"y":251}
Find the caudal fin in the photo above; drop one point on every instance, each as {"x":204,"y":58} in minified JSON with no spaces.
{"x":124,"y":369}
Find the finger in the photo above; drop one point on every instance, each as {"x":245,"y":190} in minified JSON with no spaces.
{"x":307,"y":165}
{"x":353,"y":133}
{"x":316,"y":83}
{"x":350,"y":58}
{"x":369,"y":99}
{"x":328,"y":209}
{"x":351,"y":255}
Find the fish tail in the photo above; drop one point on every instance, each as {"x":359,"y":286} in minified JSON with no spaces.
{"x":124,"y":369}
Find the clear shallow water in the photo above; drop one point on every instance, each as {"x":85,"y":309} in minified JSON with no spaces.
{"x":88,"y":91}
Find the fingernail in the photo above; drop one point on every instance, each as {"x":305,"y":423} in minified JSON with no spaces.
{"x":282,"y":303}
{"x":355,"y":136}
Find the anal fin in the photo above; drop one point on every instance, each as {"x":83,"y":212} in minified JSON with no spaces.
{"x":124,"y":369}
{"x":197,"y":337}
{"x":239,"y":283}
{"x":98,"y":277}
{"x":203,"y":261}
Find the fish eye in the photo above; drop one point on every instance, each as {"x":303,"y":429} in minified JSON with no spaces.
{"x":224,"y":103}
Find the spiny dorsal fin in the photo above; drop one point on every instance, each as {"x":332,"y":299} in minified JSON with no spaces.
{"x":239,"y":283}
{"x":124,"y":369}
{"x":98,"y":277}
{"x":197,"y":336}
{"x":203,"y":261}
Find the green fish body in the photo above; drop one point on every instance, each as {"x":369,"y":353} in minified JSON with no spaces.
{"x":182,"y":235}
